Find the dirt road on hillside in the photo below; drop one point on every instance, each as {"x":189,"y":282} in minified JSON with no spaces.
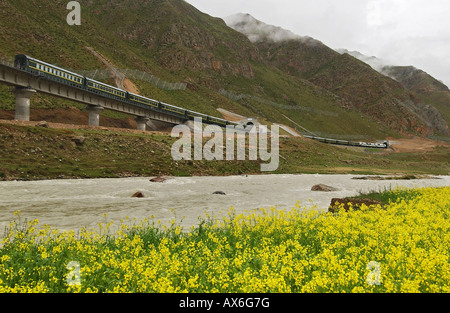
{"x":415,"y":144}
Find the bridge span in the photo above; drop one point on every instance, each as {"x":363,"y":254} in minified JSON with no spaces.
{"x":27,"y":84}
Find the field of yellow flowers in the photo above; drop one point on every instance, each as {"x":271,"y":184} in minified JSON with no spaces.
{"x":401,"y":247}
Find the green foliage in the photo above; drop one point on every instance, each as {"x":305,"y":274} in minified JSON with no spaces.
{"x":40,"y":153}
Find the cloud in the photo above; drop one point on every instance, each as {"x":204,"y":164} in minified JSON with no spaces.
{"x":256,"y":30}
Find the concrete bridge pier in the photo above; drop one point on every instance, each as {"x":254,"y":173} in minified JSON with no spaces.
{"x":94,"y":114}
{"x":142,"y":122}
{"x":23,"y":96}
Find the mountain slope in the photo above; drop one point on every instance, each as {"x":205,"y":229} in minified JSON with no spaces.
{"x":362,"y":88}
{"x":431,"y":91}
{"x":172,"y":40}
{"x":175,"y":42}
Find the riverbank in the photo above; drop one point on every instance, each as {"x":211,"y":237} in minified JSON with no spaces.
{"x":29,"y":152}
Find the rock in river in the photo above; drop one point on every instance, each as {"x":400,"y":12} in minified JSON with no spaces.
{"x":324,"y":188}
{"x":158,"y":179}
{"x":138,"y":195}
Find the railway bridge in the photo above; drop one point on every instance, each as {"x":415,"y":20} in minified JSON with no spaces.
{"x":27,"y":84}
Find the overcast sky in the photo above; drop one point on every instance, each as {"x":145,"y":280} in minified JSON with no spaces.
{"x":401,"y":32}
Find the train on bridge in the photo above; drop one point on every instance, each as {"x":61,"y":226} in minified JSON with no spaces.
{"x":63,"y":76}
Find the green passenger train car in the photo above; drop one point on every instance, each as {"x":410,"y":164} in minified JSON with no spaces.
{"x":63,"y":76}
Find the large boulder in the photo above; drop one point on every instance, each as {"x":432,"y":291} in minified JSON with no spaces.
{"x":219,"y":193}
{"x":323,"y":188}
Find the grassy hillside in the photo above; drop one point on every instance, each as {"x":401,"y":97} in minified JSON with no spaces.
{"x":30,"y":152}
{"x":177,"y":43}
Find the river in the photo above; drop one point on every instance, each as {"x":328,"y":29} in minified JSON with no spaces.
{"x":74,"y":204}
